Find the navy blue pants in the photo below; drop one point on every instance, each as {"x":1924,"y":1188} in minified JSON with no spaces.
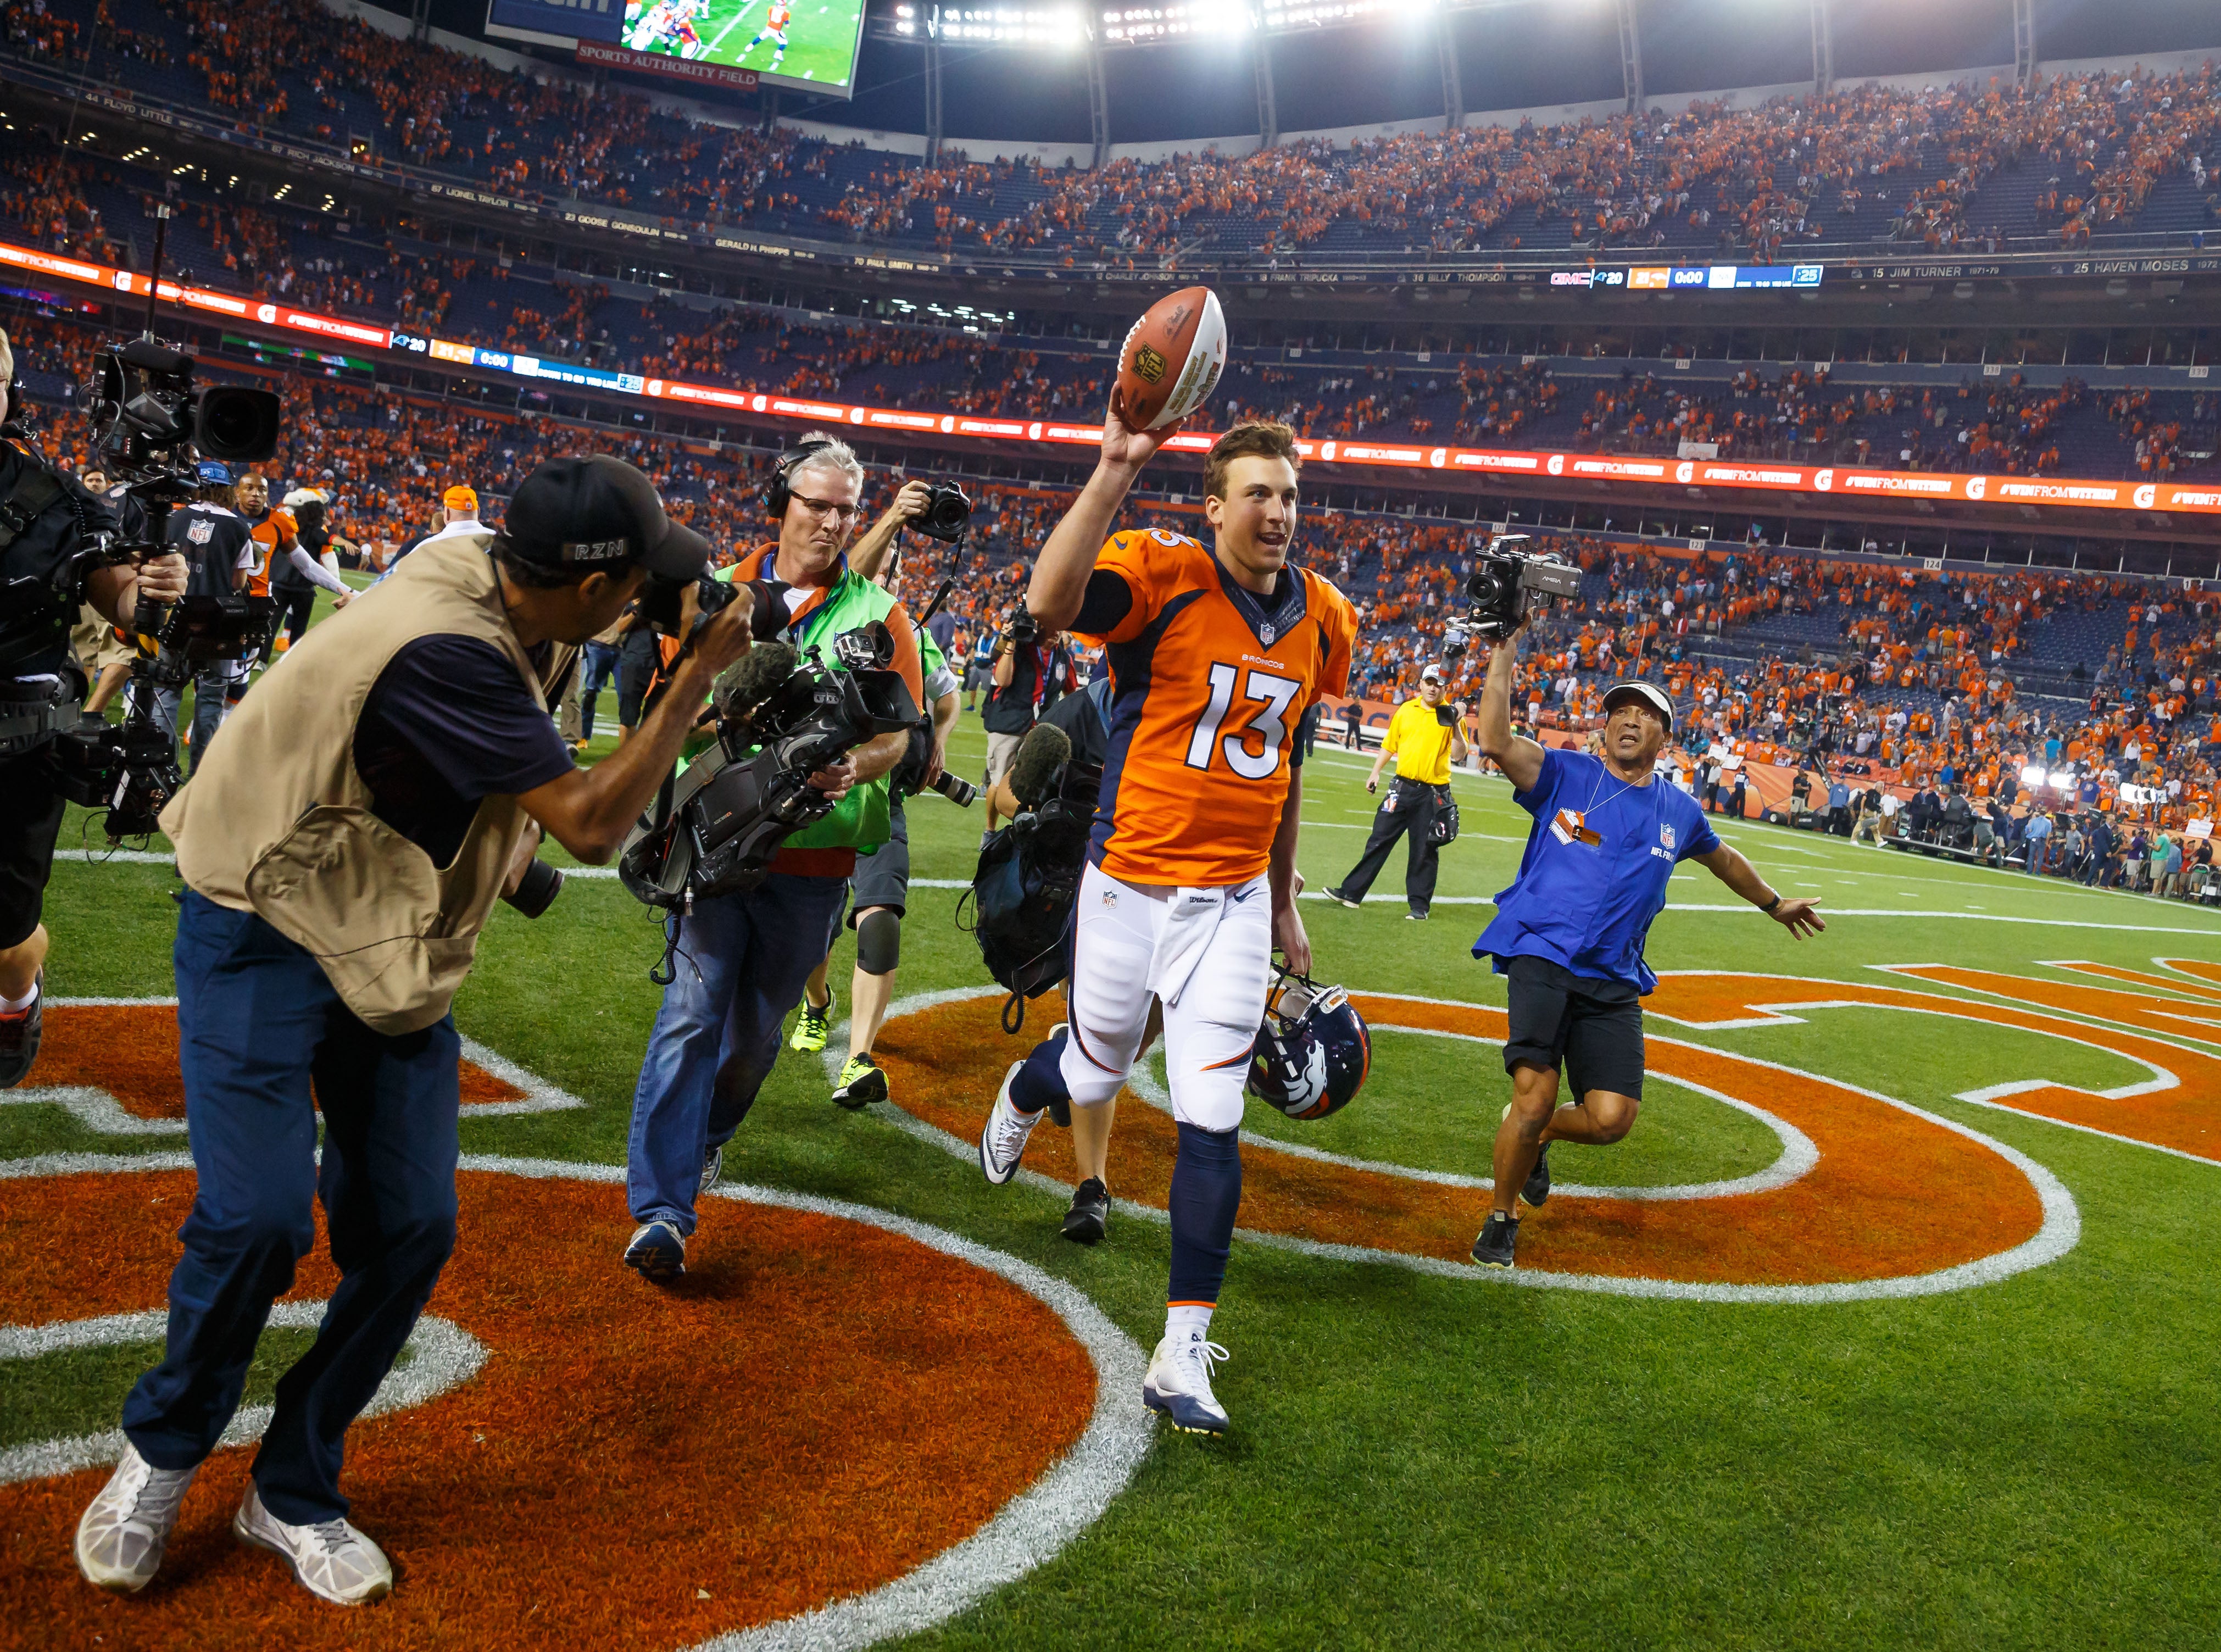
{"x":258,"y":1025}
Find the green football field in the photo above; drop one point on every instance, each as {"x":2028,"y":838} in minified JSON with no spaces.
{"x":820,"y":38}
{"x":1963,"y":1396}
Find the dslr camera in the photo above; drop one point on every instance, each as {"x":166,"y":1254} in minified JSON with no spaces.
{"x":946,"y":514}
{"x":661,"y":602}
{"x":1507,"y":584}
{"x":780,"y":719}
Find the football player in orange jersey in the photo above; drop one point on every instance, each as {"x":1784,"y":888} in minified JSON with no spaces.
{"x":774,"y":29}
{"x":1215,"y":657}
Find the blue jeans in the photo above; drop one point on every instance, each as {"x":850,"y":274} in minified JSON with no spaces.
{"x":211,"y":704}
{"x":596,"y":670}
{"x":257,"y":1023}
{"x":742,"y":963}
{"x":2035,"y":848}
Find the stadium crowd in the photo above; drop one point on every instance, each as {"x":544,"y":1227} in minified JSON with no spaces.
{"x":2072,"y":157}
{"x":1954,"y":680}
{"x":2003,"y":425}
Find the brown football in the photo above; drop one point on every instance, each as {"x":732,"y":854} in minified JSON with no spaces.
{"x":1172,"y":357}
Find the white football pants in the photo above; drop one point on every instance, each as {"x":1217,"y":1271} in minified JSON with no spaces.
{"x":1206,"y":953}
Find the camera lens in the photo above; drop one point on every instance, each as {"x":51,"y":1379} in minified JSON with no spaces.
{"x":962,"y":793}
{"x":234,"y":424}
{"x":536,"y":891}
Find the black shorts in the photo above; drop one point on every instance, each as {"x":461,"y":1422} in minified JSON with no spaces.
{"x":882,"y":878}
{"x":1590,"y":1030}
{"x":30,"y":820}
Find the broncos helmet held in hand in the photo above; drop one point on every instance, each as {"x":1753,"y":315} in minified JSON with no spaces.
{"x":1312,"y":1053}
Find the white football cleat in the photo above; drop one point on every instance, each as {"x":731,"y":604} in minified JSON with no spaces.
{"x":1178,"y":1383}
{"x":1002,"y":1138}
{"x":331,"y":1560}
{"x":123,"y":1532}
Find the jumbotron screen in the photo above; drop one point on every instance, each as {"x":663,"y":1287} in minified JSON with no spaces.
{"x":807,"y":44}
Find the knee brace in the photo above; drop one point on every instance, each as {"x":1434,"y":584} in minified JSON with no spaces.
{"x":879,"y":941}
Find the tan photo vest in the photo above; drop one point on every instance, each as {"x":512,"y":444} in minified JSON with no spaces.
{"x":277,"y":822}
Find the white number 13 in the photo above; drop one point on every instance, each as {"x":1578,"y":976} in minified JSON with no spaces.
{"x":1270,"y":725}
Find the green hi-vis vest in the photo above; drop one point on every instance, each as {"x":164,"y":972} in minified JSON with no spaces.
{"x":864,"y":819}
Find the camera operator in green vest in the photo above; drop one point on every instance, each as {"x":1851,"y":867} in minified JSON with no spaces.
{"x":340,"y":847}
{"x":743,"y":959}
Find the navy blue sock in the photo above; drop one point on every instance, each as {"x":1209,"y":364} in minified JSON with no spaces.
{"x":1040,"y":1080}
{"x":1205,"y":1194}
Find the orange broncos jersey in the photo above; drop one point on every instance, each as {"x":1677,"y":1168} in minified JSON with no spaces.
{"x":1208,"y":684}
{"x":270,"y":535}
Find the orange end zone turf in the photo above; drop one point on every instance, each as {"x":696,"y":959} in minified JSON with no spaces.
{"x":799,"y":1420}
{"x":1842,"y":1221}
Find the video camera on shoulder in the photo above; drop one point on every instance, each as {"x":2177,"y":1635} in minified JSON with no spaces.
{"x":1508,"y":584}
{"x":779,"y":720}
{"x":150,"y":425}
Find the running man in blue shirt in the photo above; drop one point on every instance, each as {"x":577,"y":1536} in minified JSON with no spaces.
{"x":1569,"y":931}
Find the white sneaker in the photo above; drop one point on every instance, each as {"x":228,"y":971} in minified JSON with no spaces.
{"x":121,"y":1535}
{"x":1002,"y":1138}
{"x":1178,"y":1383}
{"x":331,"y":1560}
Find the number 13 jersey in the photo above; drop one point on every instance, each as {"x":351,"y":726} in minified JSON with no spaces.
{"x":1208,"y":681}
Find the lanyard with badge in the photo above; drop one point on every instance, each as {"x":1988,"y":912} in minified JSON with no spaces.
{"x":1571,"y":826}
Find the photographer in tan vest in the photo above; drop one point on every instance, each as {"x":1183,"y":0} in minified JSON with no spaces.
{"x":340,"y":847}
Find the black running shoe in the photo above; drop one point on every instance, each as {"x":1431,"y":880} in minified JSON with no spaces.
{"x":1538,"y":1190}
{"x":1089,"y":1213}
{"x":1341,"y":899}
{"x":19,"y":1037}
{"x":1499,"y":1235}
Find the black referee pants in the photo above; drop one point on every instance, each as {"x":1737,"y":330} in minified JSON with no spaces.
{"x":1409,"y":807}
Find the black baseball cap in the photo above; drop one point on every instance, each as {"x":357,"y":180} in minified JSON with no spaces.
{"x":599,"y":511}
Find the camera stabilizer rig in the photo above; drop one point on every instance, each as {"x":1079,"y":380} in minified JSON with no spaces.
{"x":1508,"y":584}
{"x":713,"y":829}
{"x":150,"y":422}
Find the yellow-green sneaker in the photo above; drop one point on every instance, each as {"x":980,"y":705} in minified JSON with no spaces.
{"x":812,"y":1028}
{"x":862,"y":1082}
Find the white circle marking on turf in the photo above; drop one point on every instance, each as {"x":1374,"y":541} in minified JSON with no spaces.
{"x":438,"y":1355}
{"x":1024,"y":1534}
{"x":2059,"y":1232}
{"x":1796,"y":1159}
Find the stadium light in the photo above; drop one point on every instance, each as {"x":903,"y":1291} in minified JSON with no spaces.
{"x":1323,"y":13}
{"x":2063,"y":780}
{"x":1130,"y":25}
{"x":1000,"y":25}
{"x":2034,"y":775}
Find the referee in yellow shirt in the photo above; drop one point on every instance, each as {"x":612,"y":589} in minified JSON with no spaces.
{"x":1424,"y":737}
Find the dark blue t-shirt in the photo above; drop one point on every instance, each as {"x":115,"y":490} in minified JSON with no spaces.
{"x":450,"y":723}
{"x":1588,"y":906}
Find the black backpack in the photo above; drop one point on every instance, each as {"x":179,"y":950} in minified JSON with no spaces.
{"x":1022,"y":898}
{"x":1027,"y":882}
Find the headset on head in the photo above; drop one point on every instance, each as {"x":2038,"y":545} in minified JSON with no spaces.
{"x":780,"y":493}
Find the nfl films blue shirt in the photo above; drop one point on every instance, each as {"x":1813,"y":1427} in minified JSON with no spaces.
{"x":1595,"y":871}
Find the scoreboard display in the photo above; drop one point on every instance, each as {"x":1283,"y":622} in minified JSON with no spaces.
{"x":809,"y":45}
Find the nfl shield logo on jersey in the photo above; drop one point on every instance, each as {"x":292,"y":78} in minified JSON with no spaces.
{"x":1666,"y":835}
